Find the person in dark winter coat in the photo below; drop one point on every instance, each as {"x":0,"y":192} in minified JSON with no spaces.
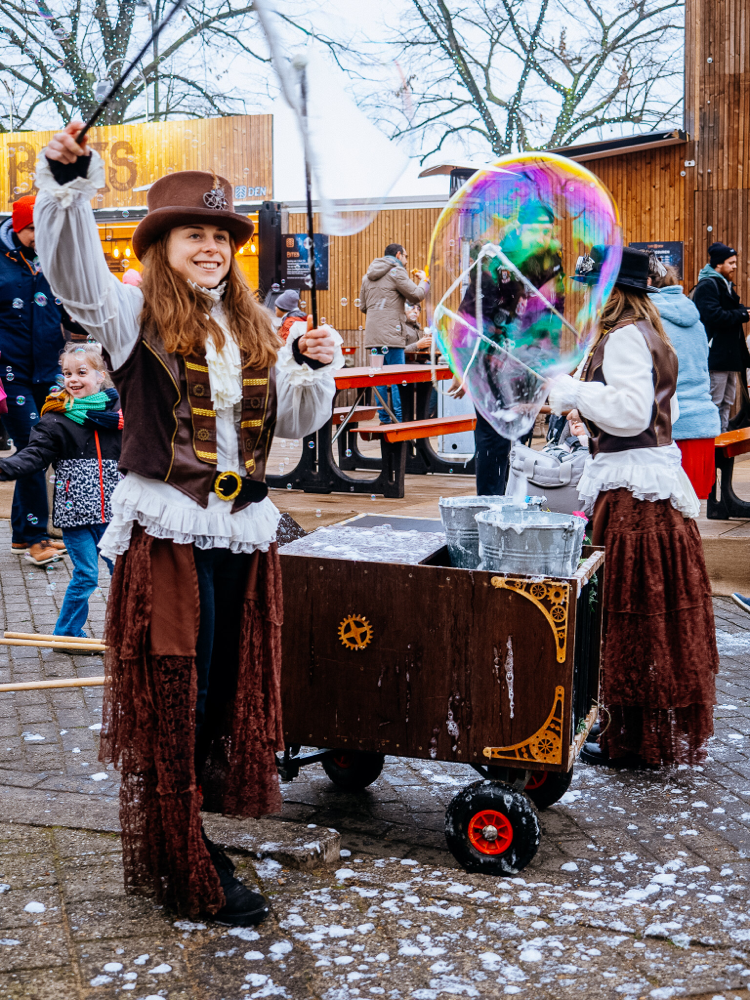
{"x":723,"y":316}
{"x":79,"y":434}
{"x":31,"y":339}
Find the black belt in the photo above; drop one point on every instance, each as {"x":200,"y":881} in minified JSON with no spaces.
{"x":231,"y":486}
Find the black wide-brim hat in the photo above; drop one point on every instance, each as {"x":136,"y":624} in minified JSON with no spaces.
{"x":633,"y":270}
{"x":190,"y":196}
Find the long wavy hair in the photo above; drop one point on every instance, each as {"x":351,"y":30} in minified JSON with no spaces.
{"x":181,"y":315}
{"x":636,"y":304}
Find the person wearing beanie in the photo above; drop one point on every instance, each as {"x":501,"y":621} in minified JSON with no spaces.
{"x":192,"y":697}
{"x":31,"y":339}
{"x":288,"y":311}
{"x":723,"y":316}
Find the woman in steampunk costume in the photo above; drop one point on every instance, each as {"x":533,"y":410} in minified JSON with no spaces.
{"x":659,"y":657}
{"x":192,"y":698}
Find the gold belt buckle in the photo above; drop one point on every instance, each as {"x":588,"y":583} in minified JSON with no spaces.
{"x":227,"y":485}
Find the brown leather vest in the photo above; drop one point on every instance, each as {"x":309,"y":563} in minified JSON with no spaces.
{"x":170,"y":423}
{"x":659,"y":430}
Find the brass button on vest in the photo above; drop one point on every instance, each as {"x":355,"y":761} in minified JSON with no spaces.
{"x":199,"y":390}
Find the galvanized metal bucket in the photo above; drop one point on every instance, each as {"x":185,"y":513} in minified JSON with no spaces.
{"x":458,"y":516}
{"x":532,"y":543}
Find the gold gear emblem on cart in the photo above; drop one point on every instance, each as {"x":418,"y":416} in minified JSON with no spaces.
{"x":355,"y":632}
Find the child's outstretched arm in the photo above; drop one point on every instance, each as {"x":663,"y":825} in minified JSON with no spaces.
{"x":41,"y":451}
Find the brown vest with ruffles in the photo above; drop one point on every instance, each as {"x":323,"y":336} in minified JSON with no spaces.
{"x":170,"y":423}
{"x":664,"y":360}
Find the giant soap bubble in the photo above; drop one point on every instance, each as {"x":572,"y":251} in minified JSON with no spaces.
{"x":506,"y":304}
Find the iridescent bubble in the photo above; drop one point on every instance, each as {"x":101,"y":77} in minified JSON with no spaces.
{"x":11,"y":150}
{"x":18,"y":303}
{"x":357,"y":303}
{"x":59,"y":485}
{"x":194,"y":143}
{"x":40,"y":298}
{"x":323,"y":320}
{"x":508,"y":308}
{"x":310,"y":444}
{"x":20,"y":400}
{"x":58,"y":300}
{"x":125,"y":264}
{"x":10,"y":376}
{"x":60,"y":34}
{"x":288,"y":486}
{"x":32,"y":519}
{"x":372,"y":496}
{"x":32,"y":416}
{"x":318,"y":512}
{"x":385,"y":350}
{"x":344,"y":302}
{"x":275,"y":287}
{"x":69,"y":505}
{"x":125,"y":213}
{"x":348,"y":452}
{"x":374,"y":351}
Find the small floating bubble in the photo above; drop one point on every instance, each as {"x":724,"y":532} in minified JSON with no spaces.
{"x":18,"y":303}
{"x":345,"y":302}
{"x":318,"y":512}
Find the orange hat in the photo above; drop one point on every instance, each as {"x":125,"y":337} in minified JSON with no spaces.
{"x":23,"y":212}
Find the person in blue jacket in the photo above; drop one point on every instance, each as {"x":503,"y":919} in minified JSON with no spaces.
{"x":699,"y":421}
{"x":31,"y":339}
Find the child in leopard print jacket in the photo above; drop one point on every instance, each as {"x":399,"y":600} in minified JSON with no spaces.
{"x":79,"y":433}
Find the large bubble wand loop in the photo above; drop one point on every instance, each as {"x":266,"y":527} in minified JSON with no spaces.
{"x":118,"y":85}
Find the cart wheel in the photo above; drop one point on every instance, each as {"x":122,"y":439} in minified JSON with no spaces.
{"x":544,"y":788}
{"x":492,"y":829}
{"x":353,"y":770}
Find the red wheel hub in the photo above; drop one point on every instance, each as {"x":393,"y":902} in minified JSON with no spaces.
{"x":490,"y":832}
{"x":343,"y":760}
{"x":536,"y":780}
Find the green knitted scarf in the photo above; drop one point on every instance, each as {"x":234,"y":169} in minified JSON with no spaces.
{"x":78,"y":409}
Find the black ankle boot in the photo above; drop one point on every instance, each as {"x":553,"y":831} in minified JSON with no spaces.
{"x":243,"y":908}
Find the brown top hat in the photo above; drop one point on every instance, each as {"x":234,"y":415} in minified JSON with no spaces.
{"x":190,"y":196}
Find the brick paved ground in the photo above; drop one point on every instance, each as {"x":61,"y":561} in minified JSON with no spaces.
{"x":640,"y":888}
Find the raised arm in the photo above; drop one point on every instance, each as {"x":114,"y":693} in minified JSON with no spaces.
{"x":68,"y":244}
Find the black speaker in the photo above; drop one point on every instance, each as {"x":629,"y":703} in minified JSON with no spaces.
{"x":269,"y":247}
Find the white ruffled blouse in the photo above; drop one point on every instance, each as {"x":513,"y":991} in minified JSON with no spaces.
{"x":72,"y":260}
{"x":623,"y":408}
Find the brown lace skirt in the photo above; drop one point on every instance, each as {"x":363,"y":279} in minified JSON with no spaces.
{"x":659,"y":656}
{"x":148,"y":732}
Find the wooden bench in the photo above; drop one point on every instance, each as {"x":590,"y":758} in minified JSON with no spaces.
{"x":411,"y":430}
{"x":723,"y":502}
{"x":361,"y":413}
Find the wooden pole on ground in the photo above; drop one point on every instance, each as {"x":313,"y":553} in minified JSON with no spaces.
{"x":52,"y":638}
{"x":48,"y":644}
{"x":65,"y":682}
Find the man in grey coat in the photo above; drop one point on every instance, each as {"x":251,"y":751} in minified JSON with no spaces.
{"x":386,"y":288}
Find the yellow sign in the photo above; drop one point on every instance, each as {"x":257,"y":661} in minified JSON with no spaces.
{"x":239,"y":148}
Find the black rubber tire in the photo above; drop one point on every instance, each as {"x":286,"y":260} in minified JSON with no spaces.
{"x":554,"y":785}
{"x":353,"y":770}
{"x":499,"y":798}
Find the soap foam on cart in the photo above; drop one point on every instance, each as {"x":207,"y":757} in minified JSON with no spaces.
{"x":378,"y":544}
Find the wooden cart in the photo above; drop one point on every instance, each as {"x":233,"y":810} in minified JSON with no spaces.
{"x":433,"y":662}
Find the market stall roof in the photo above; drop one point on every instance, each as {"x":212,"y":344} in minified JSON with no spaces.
{"x":584,"y":151}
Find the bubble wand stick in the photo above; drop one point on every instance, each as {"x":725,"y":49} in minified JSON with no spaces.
{"x":302,"y":68}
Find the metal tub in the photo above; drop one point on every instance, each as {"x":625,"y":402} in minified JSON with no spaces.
{"x":535,"y":543}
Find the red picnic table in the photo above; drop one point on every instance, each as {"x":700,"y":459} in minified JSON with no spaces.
{"x":404,"y":445}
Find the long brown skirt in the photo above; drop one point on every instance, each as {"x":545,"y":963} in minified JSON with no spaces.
{"x":659,"y":656}
{"x":153,"y":614}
